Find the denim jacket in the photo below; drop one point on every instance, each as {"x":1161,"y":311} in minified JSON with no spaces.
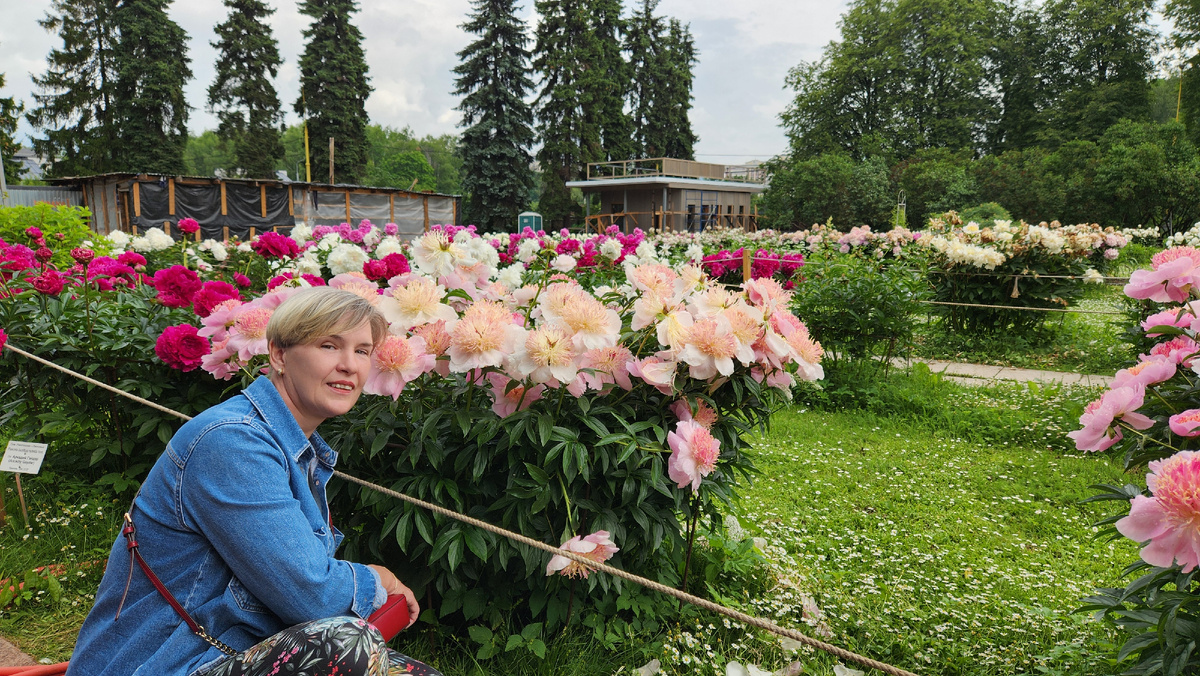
{"x":230,"y":521}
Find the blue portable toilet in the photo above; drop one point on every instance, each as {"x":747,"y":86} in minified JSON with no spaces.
{"x":529,"y":219}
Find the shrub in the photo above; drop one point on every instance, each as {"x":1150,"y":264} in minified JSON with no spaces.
{"x":72,"y":223}
{"x":985,"y":213}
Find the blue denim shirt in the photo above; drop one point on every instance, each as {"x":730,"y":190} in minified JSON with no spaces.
{"x":232,"y":524}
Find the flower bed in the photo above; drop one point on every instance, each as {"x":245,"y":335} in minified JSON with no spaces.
{"x":609,"y":404}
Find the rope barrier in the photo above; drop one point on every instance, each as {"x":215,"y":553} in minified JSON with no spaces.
{"x":739,"y":616}
{"x":1035,"y":309}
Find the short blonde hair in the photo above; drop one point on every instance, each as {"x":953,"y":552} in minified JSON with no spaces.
{"x":322,"y":311}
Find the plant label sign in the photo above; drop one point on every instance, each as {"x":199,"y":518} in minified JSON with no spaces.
{"x":24,"y":457}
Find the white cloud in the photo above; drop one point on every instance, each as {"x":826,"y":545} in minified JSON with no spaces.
{"x":745,"y":50}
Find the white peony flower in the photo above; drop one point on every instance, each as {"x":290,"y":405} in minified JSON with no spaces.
{"x":346,"y":258}
{"x":511,"y":276}
{"x":301,"y":233}
{"x":1092,"y":276}
{"x":387,"y":246}
{"x":118,"y":239}
{"x":694,"y":252}
{"x":563,"y":263}
{"x":528,"y":250}
{"x":308,"y":264}
{"x":435,"y":254}
{"x":371,"y":237}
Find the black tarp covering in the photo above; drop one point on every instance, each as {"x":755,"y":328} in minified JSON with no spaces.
{"x":243,"y":206}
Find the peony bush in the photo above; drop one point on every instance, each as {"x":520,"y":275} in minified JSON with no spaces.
{"x":1151,"y":415}
{"x":578,"y":390}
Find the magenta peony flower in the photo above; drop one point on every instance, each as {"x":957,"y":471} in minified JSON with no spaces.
{"x":132,"y":258}
{"x":397,"y":264}
{"x":1166,"y":523}
{"x":176,"y":286}
{"x":211,"y":294}
{"x":598,"y":547}
{"x":275,"y":245}
{"x":3,"y":339}
{"x":50,"y":282}
{"x":189,"y":226}
{"x":241,"y":280}
{"x":43,"y":255}
{"x":1099,"y":419}
{"x":33,"y":233}
{"x":694,"y":453}
{"x":391,"y":229}
{"x":181,"y":348}
{"x":82,"y":256}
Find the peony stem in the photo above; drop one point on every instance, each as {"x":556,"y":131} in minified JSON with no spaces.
{"x":570,"y":519}
{"x":1160,"y":398}
{"x":687,"y":561}
{"x":1147,"y":436}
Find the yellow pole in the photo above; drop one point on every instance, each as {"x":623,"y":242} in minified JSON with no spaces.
{"x":307,"y":157}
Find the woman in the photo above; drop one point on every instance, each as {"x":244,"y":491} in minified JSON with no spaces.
{"x":234,"y":522}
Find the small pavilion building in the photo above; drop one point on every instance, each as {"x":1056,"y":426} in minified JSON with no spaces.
{"x":669,"y":195}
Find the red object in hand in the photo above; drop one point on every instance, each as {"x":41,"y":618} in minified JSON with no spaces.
{"x":392,"y":617}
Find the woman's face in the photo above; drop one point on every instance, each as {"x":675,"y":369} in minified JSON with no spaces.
{"x":324,"y":378}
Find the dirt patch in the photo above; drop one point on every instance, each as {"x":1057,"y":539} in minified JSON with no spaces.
{"x":10,"y":656}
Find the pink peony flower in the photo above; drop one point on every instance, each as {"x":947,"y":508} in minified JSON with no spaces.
{"x":248,"y":331}
{"x":704,"y":414}
{"x":1099,"y":419}
{"x":508,"y":399}
{"x":82,"y":256}
{"x":241,"y":280}
{"x":709,"y":349}
{"x":176,"y":286}
{"x":607,"y":365}
{"x":598,"y":547}
{"x":1145,"y":373}
{"x":43,"y":255}
{"x":658,"y":373}
{"x":484,"y":337}
{"x":212,"y":294}
{"x":1177,"y":316}
{"x":1168,"y":522}
{"x":395,"y":363}
{"x":390,"y":229}
{"x":218,"y":362}
{"x":1172,"y":281}
{"x":1185,"y":424}
{"x":3,"y":339}
{"x":694,"y":453}
{"x":1179,"y":350}
{"x":181,"y":348}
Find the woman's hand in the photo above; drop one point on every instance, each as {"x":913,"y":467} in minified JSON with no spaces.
{"x":393,"y":586}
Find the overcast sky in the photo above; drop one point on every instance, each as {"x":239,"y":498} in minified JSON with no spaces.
{"x":745,"y":50}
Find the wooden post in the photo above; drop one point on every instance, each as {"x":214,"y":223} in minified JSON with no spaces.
{"x":167,"y":227}
{"x":262,"y":193}
{"x":392,"y":208}
{"x":252,"y":232}
{"x":224,"y":205}
{"x":171,"y":196}
{"x":3,"y":510}
{"x":137,"y":200}
{"x":291,"y":202}
{"x":104,"y":208}
{"x":347,"y":206}
{"x":21,"y":495}
{"x":426,"y":202}
{"x":331,"y":162}
{"x":745,"y":264}
{"x":225,"y":232}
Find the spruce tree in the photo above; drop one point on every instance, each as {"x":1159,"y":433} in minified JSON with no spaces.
{"x":605,"y":82}
{"x":644,"y":42}
{"x":242,"y":94}
{"x":74,"y":104}
{"x":334,"y":87}
{"x":152,"y":69}
{"x":10,"y":112}
{"x":671,"y":117}
{"x":562,"y":37}
{"x":493,"y":78}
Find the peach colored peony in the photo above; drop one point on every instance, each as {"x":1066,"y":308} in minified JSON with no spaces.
{"x":395,"y":363}
{"x":694,"y":453}
{"x":598,"y":547}
{"x":1169,"y":522}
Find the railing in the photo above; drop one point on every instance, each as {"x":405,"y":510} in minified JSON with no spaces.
{"x":666,"y":166}
{"x":654,"y":221}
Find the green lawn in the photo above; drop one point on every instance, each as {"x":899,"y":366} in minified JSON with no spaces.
{"x":908,"y":544}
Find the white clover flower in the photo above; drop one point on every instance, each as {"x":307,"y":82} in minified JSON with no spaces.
{"x":346,"y":258}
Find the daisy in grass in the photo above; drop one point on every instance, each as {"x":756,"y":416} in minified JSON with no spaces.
{"x":395,"y":363}
{"x":598,"y":547}
{"x":510,"y":396}
{"x":483,"y":337}
{"x":546,"y":354}
{"x":709,"y":349}
{"x":1169,"y":522}
{"x":415,"y":301}
{"x":694,"y":453}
